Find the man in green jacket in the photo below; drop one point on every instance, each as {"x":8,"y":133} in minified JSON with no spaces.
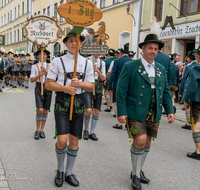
{"x":142,"y":90}
{"x":192,"y":99}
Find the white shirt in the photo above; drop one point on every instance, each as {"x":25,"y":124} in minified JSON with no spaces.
{"x":191,"y":63}
{"x":97,"y":63}
{"x":0,"y":58}
{"x":34,"y":71}
{"x":111,"y":66}
{"x":150,"y":69}
{"x":56,"y":69}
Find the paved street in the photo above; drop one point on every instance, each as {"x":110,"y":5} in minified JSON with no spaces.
{"x":101,"y":165}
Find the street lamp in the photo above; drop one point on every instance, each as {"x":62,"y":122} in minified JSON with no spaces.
{"x":128,"y":9}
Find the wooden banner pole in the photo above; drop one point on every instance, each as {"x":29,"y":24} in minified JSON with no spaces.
{"x":42,"y":75}
{"x":74,"y":74}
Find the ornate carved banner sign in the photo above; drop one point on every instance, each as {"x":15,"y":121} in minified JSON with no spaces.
{"x":42,"y":29}
{"x":94,"y":50}
{"x":80,"y":13}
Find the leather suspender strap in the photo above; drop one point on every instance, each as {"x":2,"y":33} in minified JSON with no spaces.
{"x":65,"y":74}
{"x":86,"y":61}
{"x":38,"y":70}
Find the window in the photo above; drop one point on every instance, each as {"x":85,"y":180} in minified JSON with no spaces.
{"x":1,"y":20}
{"x":48,"y":11}
{"x":27,"y":4}
{"x":94,"y":1}
{"x":61,"y":18}
{"x":38,"y":12}
{"x":55,"y":10}
{"x":15,"y":13}
{"x":18,"y":10}
{"x":158,"y":9}
{"x":116,"y":1}
{"x":11,"y":15}
{"x":190,"y":6}
{"x":14,"y":36}
{"x":18,"y":35}
{"x":22,"y":8}
{"x":56,"y":49}
{"x":4,"y":18}
{"x":35,"y":14}
{"x":10,"y":37}
{"x":23,"y":38}
{"x":44,"y":11}
{"x":103,"y":3}
{"x":8,"y":17}
{"x":7,"y":38}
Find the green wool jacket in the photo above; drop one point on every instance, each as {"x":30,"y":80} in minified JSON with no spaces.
{"x":134,"y":91}
{"x":192,"y":90}
{"x":173,"y":75}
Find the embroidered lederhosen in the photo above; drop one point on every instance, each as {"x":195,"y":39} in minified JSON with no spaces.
{"x":62,"y":108}
{"x":63,"y":100}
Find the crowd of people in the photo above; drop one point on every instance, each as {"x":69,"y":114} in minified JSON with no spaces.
{"x":139,"y":88}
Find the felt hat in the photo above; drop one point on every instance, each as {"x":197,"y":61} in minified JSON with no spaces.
{"x":28,"y":54}
{"x":73,"y":33}
{"x":171,"y":56}
{"x":111,"y":51}
{"x":118,"y":51}
{"x":131,"y":53}
{"x":125,"y":48}
{"x":15,"y":55}
{"x":197,"y":51}
{"x":1,"y":52}
{"x":191,"y":55}
{"x":151,"y":38}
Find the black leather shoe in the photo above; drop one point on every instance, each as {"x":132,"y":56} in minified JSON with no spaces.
{"x":164,"y":112}
{"x":110,"y":107}
{"x":105,"y":103}
{"x":114,"y":115}
{"x":59,"y":178}
{"x":193,"y":155}
{"x":143,"y":179}
{"x":42,"y":135}
{"x":2,"y":86}
{"x":71,"y":179}
{"x":117,"y":126}
{"x":85,"y":135}
{"x":37,"y":135}
{"x":188,"y":127}
{"x":1,"y":90}
{"x":22,"y":85}
{"x":26,"y":86}
{"x":107,"y":110}
{"x":174,"y":109}
{"x":136,"y":185}
{"x":183,"y":109}
{"x":93,"y":137}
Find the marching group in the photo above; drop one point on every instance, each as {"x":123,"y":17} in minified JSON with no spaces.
{"x":138,"y":88}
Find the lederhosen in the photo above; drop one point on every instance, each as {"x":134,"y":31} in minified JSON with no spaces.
{"x":62,"y":108}
{"x":2,"y":69}
{"x":25,"y":70}
{"x":150,"y":125}
{"x":42,"y":101}
{"x":98,"y":94}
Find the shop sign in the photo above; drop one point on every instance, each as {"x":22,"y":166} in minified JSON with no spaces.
{"x":94,"y":50}
{"x":183,"y":30}
{"x":19,"y":49}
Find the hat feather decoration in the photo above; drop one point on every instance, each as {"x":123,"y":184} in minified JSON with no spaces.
{"x":11,"y":50}
{"x":154,"y":27}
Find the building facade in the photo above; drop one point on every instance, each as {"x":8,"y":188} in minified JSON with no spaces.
{"x":120,"y":27}
{"x":185,"y":15}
